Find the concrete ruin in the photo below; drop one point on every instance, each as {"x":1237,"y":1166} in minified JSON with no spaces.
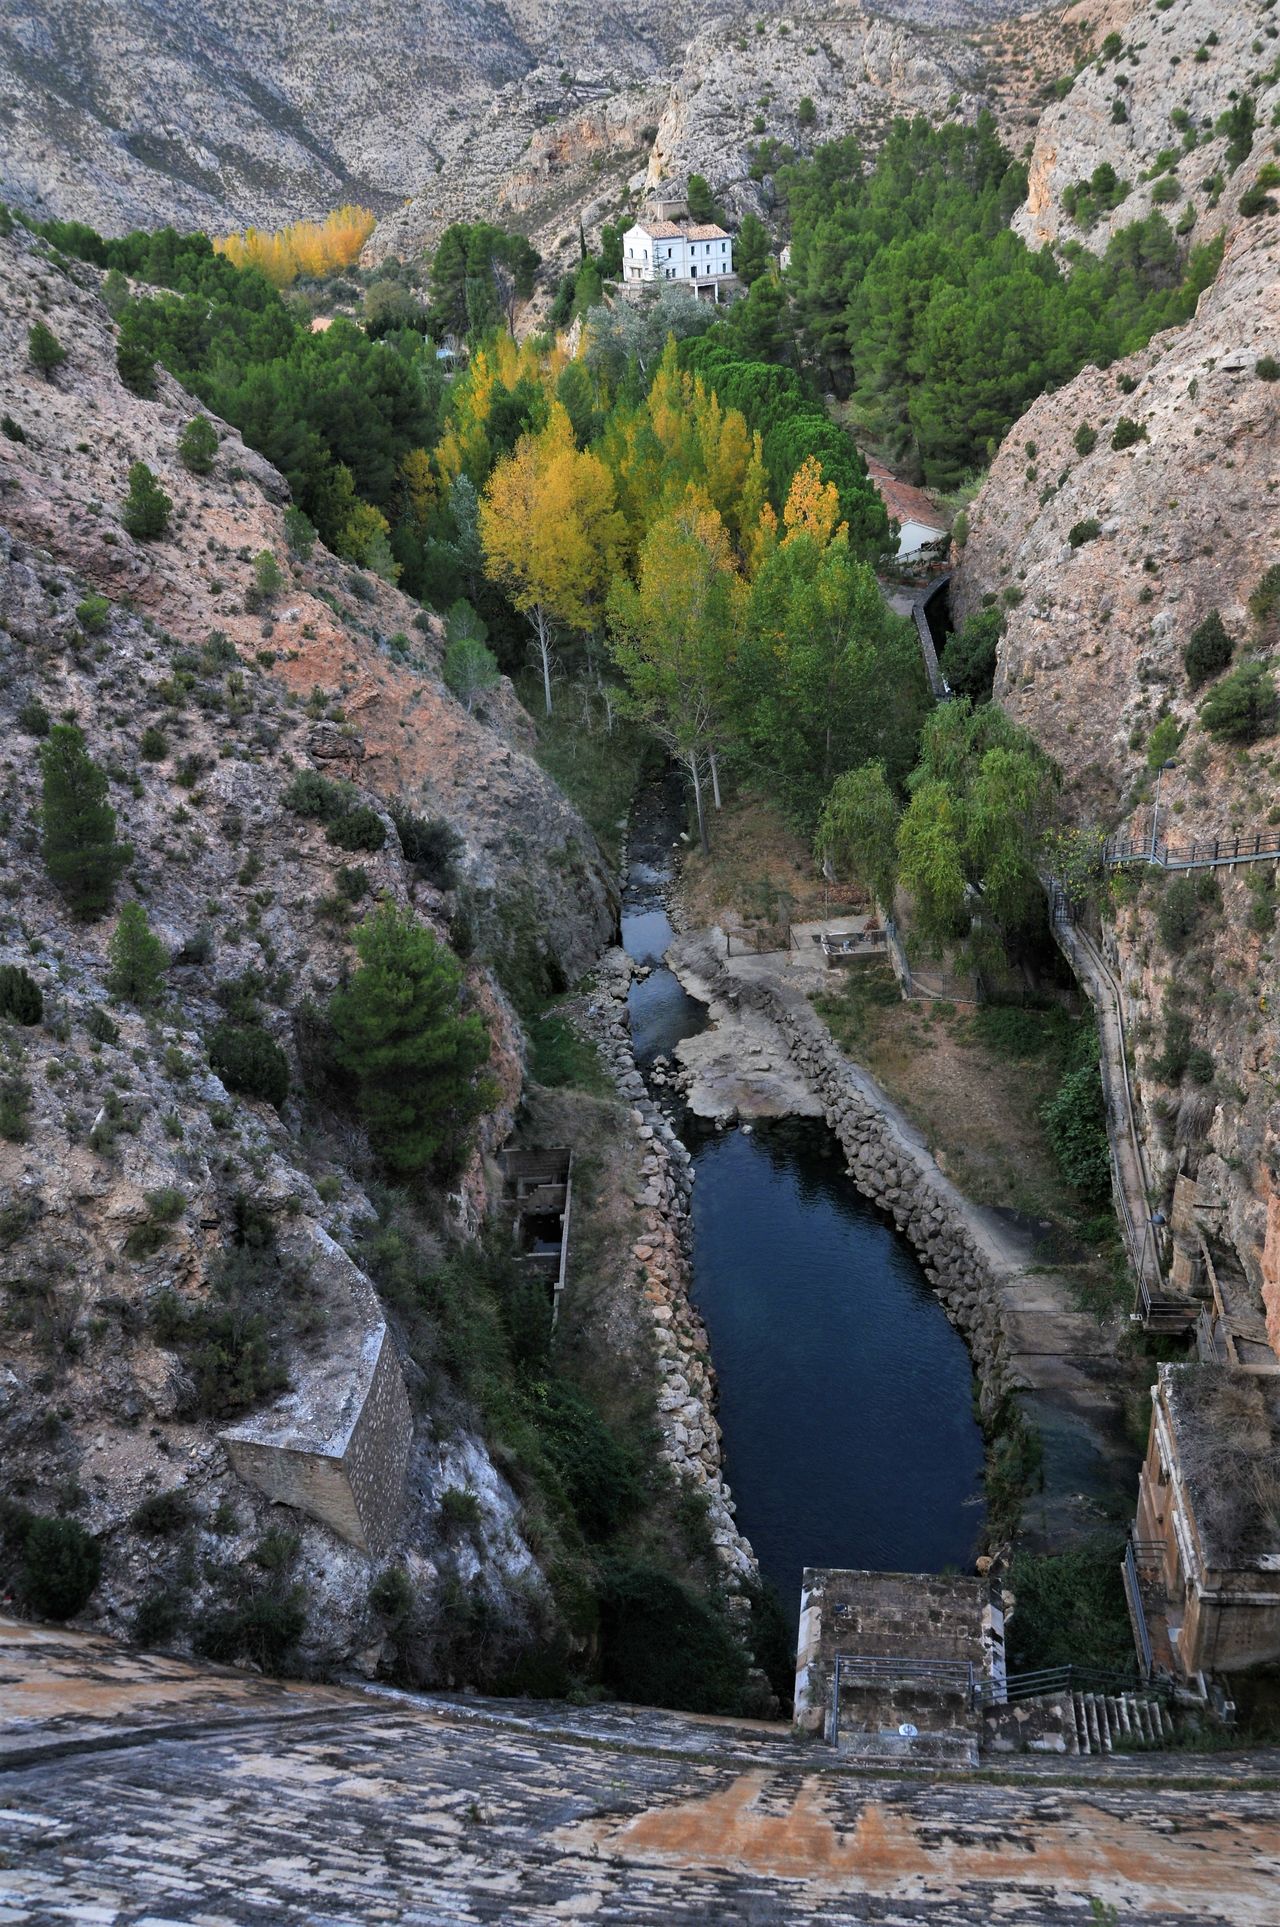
{"x":897,"y":1665}
{"x":1207,"y":1536}
{"x":336,"y":1446}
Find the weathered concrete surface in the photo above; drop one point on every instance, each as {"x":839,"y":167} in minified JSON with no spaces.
{"x":427,"y":1812}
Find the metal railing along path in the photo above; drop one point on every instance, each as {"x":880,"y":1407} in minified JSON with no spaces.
{"x":1205,"y":853}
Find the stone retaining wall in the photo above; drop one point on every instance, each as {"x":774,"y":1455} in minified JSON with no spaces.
{"x":892,"y":1174}
{"x":687,"y":1394}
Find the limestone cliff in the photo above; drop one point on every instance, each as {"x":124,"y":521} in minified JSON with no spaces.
{"x":1106,"y":561}
{"x":129,"y":1181}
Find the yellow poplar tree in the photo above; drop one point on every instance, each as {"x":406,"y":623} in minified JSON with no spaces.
{"x":551,"y":533}
{"x":673,"y":635}
{"x":812,"y":506}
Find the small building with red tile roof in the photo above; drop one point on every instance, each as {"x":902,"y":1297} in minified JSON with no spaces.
{"x":920,"y":524}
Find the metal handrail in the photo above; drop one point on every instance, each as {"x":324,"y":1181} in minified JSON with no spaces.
{"x":957,"y":1674}
{"x":1205,"y":853}
{"x":1061,"y":1679}
{"x":1133,"y":1592}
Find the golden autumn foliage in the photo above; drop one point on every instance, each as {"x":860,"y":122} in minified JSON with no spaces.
{"x":310,"y":248}
{"x":551,"y":533}
{"x":812,"y":506}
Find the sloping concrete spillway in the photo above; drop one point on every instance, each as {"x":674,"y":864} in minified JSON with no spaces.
{"x":846,"y":1399}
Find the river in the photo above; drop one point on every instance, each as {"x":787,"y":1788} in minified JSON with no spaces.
{"x":845,"y":1394}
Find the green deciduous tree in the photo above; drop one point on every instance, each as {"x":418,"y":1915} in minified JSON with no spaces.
{"x":971,"y":835}
{"x":147,"y":508}
{"x":416,"y":1055}
{"x":672,"y":635}
{"x":469,"y":669}
{"x":138,"y":959}
{"x":79,"y":825}
{"x":858,"y":831}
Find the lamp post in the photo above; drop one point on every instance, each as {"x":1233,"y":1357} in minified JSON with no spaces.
{"x":1155,"y":813}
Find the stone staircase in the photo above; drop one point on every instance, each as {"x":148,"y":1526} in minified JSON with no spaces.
{"x":1104,"y":1722}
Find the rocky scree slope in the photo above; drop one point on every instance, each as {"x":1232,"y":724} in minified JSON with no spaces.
{"x":1106,"y":562}
{"x":126,"y":1172}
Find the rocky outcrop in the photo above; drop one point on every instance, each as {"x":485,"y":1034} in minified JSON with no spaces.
{"x":1155,"y":100}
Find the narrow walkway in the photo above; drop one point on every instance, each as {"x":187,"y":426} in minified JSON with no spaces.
{"x":1206,"y":853}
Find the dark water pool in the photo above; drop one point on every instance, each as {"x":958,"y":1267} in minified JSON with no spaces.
{"x":845,"y":1396}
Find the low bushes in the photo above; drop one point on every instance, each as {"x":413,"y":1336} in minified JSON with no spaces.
{"x":348,"y":824}
{"x":250,"y":1062}
{"x":21,"y":998}
{"x":50,"y":1565}
{"x":1070,"y":1609}
{"x":1244,"y":707}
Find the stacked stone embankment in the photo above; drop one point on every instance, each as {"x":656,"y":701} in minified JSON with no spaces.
{"x":691,"y":1440}
{"x":893,"y":1173}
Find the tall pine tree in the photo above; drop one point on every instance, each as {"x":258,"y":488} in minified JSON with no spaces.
{"x":417,"y":1058}
{"x":79,"y":845}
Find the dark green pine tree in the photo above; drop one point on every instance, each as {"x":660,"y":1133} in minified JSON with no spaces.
{"x":79,"y":843}
{"x":416,"y":1057}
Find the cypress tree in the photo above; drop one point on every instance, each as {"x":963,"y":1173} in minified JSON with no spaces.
{"x":416,"y":1057}
{"x":79,"y":844}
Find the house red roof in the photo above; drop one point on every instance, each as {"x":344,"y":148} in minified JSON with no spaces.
{"x":904,"y":503}
{"x":660,"y":230}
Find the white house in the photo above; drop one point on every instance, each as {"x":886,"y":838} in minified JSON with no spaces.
{"x":696,"y":256}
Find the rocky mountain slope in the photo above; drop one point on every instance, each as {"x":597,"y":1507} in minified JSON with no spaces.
{"x":128,"y":1179}
{"x":1107,"y":556}
{"x":563,"y":150}
{"x":219,"y":115}
{"x":1147,"y":106}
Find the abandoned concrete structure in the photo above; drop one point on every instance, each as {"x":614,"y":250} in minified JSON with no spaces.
{"x":1203,"y":1575}
{"x":337,"y":1447}
{"x":893,"y":1664}
{"x":337,"y":1444}
{"x":537,"y":1192}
